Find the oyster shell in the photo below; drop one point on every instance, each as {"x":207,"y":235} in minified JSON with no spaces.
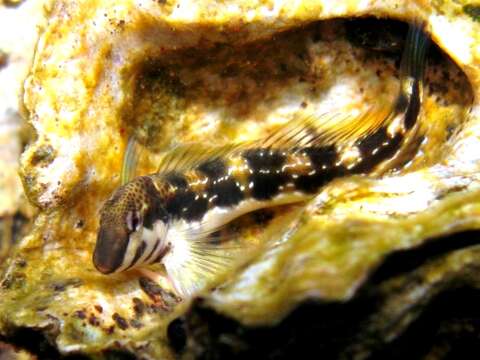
{"x":16,"y":52}
{"x":178,"y":71}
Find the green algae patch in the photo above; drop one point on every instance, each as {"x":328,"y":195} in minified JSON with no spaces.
{"x":473,"y":11}
{"x":53,"y":290}
{"x":331,"y":266}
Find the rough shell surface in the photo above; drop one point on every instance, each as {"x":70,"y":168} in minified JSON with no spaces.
{"x":179,"y":71}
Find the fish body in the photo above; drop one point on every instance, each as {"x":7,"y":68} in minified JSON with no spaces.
{"x":168,"y":216}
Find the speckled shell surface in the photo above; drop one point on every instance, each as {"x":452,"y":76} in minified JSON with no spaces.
{"x":222,"y":71}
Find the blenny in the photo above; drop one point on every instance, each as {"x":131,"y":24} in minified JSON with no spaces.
{"x":169,"y":216}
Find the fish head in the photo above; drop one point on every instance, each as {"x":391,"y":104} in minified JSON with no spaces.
{"x":133,"y":226}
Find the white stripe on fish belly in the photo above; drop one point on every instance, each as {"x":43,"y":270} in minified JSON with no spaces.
{"x":180,"y":232}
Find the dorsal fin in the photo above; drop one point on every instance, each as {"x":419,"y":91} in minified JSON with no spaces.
{"x":412,"y":67}
{"x":305,"y":130}
{"x":302,"y":131}
{"x":188,"y":156}
{"x":326,"y":129}
{"x":130,"y":160}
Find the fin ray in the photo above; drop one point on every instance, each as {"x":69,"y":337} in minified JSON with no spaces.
{"x":130,"y":160}
{"x":199,"y":271}
{"x":319,"y":129}
{"x":188,"y":156}
{"x":301,"y":131}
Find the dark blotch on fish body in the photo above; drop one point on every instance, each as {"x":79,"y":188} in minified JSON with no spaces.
{"x":267,"y":174}
{"x":155,"y":210}
{"x":375,"y":148}
{"x":225,"y":192}
{"x":322,"y":156}
{"x":185,"y":205}
{"x":413,"y":109}
{"x":311,"y":183}
{"x":177,"y":180}
{"x":222,"y":189}
{"x":213,"y":169}
{"x":323,"y":160}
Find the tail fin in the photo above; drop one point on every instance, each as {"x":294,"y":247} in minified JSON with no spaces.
{"x":412,"y":68}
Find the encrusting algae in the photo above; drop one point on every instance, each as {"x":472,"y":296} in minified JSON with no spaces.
{"x":213,"y":73}
{"x":16,"y":52}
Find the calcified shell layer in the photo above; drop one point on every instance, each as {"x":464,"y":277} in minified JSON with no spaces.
{"x":183,"y":71}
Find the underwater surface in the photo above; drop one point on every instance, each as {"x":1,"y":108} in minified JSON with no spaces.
{"x":380,"y":261}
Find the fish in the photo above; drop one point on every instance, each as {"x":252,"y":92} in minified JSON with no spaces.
{"x":170,"y":216}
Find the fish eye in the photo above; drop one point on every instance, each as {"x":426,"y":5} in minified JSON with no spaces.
{"x":133,"y":220}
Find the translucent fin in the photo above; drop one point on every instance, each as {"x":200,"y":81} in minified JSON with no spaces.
{"x":412,"y":69}
{"x":413,"y":58}
{"x":130,"y":160}
{"x":200,"y":264}
{"x":301,"y":131}
{"x":188,"y":156}
{"x":308,"y":130}
{"x":209,"y":259}
{"x":327,"y":129}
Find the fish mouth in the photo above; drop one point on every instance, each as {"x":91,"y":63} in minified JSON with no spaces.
{"x":110,"y":250}
{"x":103,"y":270}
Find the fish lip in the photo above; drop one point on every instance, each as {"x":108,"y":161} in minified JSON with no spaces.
{"x":103,"y":270}
{"x":101,"y":267}
{"x":109,"y":249}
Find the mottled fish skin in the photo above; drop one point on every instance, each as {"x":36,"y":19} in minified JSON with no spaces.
{"x":154,"y":216}
{"x":119,"y":218}
{"x":264,"y":174}
{"x":256,"y":174}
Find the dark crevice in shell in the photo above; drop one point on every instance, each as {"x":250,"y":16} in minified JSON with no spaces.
{"x":448,"y":320}
{"x":37,"y":343}
{"x":404,"y":261}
